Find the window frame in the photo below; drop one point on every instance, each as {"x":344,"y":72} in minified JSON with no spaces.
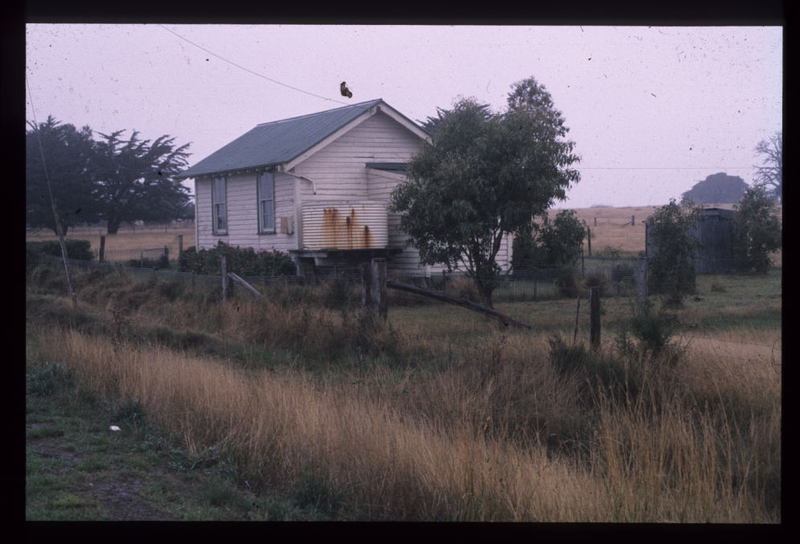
{"x":262,"y":228}
{"x":215,"y":203}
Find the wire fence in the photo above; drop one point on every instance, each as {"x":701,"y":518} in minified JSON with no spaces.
{"x":532,"y":284}
{"x":617,"y":275}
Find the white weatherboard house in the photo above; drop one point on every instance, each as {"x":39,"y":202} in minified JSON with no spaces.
{"x":315,"y":186}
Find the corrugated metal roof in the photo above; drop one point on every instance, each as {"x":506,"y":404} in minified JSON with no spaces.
{"x":277,"y":142}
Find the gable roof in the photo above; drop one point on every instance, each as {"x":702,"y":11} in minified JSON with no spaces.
{"x":279,"y":142}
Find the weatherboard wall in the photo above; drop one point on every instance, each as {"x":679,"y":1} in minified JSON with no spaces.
{"x":339,"y":172}
{"x":241,"y":196}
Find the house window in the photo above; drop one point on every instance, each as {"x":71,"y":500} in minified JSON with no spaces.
{"x":266,"y":203}
{"x":219,"y":208}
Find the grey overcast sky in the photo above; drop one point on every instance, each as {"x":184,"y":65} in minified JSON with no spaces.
{"x":652,"y":110}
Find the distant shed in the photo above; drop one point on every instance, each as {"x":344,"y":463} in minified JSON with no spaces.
{"x":714,"y":231}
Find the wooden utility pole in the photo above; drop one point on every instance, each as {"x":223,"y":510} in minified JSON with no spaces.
{"x":56,"y":219}
{"x":594,"y":317}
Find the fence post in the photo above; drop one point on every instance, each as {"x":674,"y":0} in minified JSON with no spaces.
{"x":583,"y":273}
{"x":632,"y":220}
{"x":101,"y":256}
{"x":180,"y":246}
{"x":373,"y":276}
{"x":166,"y":252}
{"x":223,"y":270}
{"x":641,"y":286}
{"x":589,"y":239}
{"x":594,"y":317}
{"x":595,"y":221}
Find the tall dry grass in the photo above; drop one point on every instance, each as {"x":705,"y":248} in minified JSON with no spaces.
{"x":361,"y":453}
{"x":451,"y":445}
{"x":435,"y":417}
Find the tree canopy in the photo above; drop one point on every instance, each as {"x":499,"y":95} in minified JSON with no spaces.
{"x":550,"y":244}
{"x":135,"y":179}
{"x":757,"y":231}
{"x":485,"y":175}
{"x":770,"y":174}
{"x":717,"y":188}
{"x":68,"y":153}
{"x":671,"y":246}
{"x":110,"y":179}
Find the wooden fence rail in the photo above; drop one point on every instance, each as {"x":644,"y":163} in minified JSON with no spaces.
{"x":506,"y":320}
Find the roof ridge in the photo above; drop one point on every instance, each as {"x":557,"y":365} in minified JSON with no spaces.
{"x":296,"y":117}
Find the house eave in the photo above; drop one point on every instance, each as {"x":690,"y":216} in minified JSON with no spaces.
{"x":236,"y":171}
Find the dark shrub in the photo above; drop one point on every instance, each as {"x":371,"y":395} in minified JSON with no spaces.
{"x":600,"y":369}
{"x":161,"y":263}
{"x":567,"y":283}
{"x":757,"y":232}
{"x":622,"y":273}
{"x":245,"y":262}
{"x":654,"y":332}
{"x":76,"y":249}
{"x":670,"y":264}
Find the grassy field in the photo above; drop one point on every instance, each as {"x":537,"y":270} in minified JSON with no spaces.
{"x":296,"y":408}
{"x":128,"y":243}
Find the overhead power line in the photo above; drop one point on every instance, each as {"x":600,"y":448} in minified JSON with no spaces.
{"x":662,"y":167}
{"x":57,"y":221}
{"x":248,"y":70}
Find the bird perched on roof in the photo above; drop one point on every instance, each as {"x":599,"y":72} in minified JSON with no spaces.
{"x":345,"y":91}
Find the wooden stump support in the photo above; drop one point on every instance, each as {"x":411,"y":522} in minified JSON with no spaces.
{"x":373,"y":299}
